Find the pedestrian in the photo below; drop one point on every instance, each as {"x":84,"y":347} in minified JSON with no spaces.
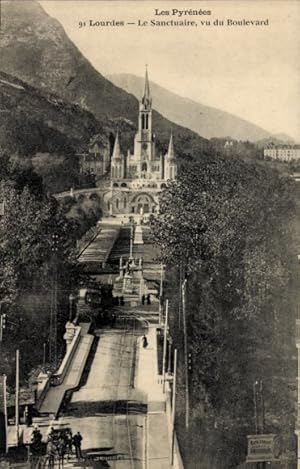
{"x":51,"y":453}
{"x":145,"y":342}
{"x":77,"y":439}
{"x":148,"y":299}
{"x":36,"y":441}
{"x":69,"y":441}
{"x":61,"y":450}
{"x":36,"y":434}
{"x":27,"y":416}
{"x":113,"y":320}
{"x":37,"y":438}
{"x":143,"y":299}
{"x":52,"y":432}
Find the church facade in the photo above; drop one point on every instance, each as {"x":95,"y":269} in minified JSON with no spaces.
{"x":138,"y":178}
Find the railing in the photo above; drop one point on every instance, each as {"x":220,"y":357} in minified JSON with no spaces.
{"x":177,"y":461}
{"x":58,"y":377}
{"x":298,"y":332}
{"x":43,"y":392}
{"x":87,"y":239}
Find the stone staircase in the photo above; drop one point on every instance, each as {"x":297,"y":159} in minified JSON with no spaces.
{"x":121,"y":247}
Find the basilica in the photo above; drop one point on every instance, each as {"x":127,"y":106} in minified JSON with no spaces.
{"x":137,"y":179}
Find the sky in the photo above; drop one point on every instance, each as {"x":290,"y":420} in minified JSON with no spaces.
{"x":250,"y":71}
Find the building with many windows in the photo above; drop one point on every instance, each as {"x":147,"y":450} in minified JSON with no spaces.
{"x":282,"y":153}
{"x":96,"y":161}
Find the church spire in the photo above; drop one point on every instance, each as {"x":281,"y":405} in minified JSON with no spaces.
{"x":170,"y":162}
{"x":171,"y":153}
{"x":116,"y":151}
{"x":147,"y":96}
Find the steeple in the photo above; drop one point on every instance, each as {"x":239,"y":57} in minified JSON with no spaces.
{"x":116,"y":151}
{"x":118,"y":162}
{"x":171,"y":153}
{"x":170,"y":162}
{"x":147,"y":97}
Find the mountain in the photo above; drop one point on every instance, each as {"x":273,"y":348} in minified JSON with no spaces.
{"x":206,"y":121}
{"x":54,"y":126}
{"x":36,"y":49}
{"x":277,"y":140}
{"x":284,"y":138}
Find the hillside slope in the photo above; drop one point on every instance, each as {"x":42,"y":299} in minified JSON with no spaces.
{"x":41,"y":122}
{"x":205,"y":120}
{"x":36,"y":49}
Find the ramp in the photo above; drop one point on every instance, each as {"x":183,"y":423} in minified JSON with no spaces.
{"x":55,"y":396}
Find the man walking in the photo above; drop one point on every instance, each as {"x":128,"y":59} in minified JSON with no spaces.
{"x":77,"y":439}
{"x":145,"y":342}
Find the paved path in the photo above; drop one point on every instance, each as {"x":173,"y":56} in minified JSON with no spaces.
{"x":158,"y":442}
{"x":93,"y":409}
{"x":111,"y":375}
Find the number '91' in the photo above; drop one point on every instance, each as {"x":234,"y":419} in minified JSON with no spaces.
{"x":82,"y":24}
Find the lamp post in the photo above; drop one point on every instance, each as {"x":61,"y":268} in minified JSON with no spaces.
{"x":165,"y":345}
{"x":44,"y":356}
{"x":55,"y":244}
{"x":186,"y":373}
{"x":160,"y":294}
{"x":131,"y":242}
{"x":17,"y":395}
{"x":259,"y":412}
{"x":2,"y":323}
{"x":71,"y":299}
{"x":173,"y":407}
{"x":170,"y":343}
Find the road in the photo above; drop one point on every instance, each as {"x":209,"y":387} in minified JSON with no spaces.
{"x":107,"y":409}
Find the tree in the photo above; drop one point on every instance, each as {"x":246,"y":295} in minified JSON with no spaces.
{"x":228,"y":223}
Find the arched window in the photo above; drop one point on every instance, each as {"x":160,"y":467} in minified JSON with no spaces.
{"x":115,"y":184}
{"x":144,"y":167}
{"x":117,"y":203}
{"x":125,"y":203}
{"x":123,"y":184}
{"x":147,"y":117}
{"x":108,"y":205}
{"x":143,"y":121}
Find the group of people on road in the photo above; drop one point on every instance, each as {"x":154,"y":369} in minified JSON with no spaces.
{"x":118,"y":300}
{"x":146,"y":299}
{"x":59,"y":444}
{"x":64,"y":440}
